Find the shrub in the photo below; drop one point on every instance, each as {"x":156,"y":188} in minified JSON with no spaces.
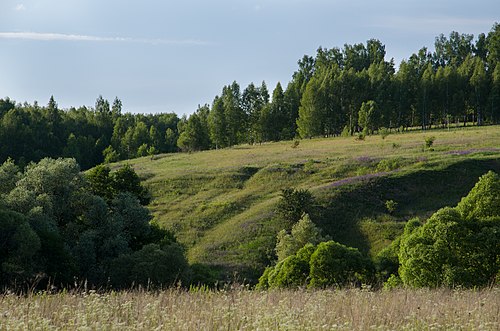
{"x":333,"y":264}
{"x":391,"y":206}
{"x":387,"y":261}
{"x":345,"y":132}
{"x":393,"y":282}
{"x":451,"y":251}
{"x":384,"y":132}
{"x":483,"y":200}
{"x":429,"y":141}
{"x":303,"y":232}
{"x":293,"y":204}
{"x":152,"y":265}
{"x":19,"y":244}
{"x":293,"y":271}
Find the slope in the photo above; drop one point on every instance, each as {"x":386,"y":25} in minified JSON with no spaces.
{"x":220,"y":203}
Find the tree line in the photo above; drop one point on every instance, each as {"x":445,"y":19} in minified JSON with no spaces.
{"x":354,"y":89}
{"x":338,"y":91}
{"x":91,"y":135}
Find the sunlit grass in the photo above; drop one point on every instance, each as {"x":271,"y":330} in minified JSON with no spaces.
{"x":219,"y":203}
{"x":241,"y":309}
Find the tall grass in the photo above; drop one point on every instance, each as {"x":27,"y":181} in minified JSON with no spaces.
{"x":241,"y":309}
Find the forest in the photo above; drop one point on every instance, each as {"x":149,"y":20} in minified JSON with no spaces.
{"x":339,"y":91}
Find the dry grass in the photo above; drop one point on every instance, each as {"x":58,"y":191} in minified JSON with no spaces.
{"x":240,"y":309}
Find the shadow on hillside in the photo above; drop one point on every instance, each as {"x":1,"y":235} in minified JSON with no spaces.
{"x":418,"y":194}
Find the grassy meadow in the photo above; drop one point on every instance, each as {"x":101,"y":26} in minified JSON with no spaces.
{"x":241,"y":309}
{"x":220,"y":203}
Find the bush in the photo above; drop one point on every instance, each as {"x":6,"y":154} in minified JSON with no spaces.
{"x":333,"y":264}
{"x":450,"y":251}
{"x":293,"y":204}
{"x":384,"y":132}
{"x":303,"y":232}
{"x":293,"y":271}
{"x":387,"y":261}
{"x":456,"y":246}
{"x":393,"y":282}
{"x":429,"y":141}
{"x":151,"y":266}
{"x":19,"y":244}
{"x":391,"y":206}
{"x":345,"y":132}
{"x":483,"y":200}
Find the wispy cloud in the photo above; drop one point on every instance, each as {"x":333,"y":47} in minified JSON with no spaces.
{"x":429,"y":24}
{"x":20,"y":7}
{"x":76,"y":37}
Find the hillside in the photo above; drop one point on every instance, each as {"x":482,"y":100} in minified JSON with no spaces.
{"x":220,"y":203}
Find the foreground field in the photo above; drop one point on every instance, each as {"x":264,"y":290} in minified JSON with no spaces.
{"x":240,"y":309}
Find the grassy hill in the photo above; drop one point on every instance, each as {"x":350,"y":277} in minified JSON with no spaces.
{"x":220,"y":203}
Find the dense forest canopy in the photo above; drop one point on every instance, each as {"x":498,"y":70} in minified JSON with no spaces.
{"x":340,"y":90}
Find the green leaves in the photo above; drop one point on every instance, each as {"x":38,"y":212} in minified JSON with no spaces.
{"x":56,"y":226}
{"x":108,"y":185}
{"x":456,"y":246}
{"x":483,"y":200}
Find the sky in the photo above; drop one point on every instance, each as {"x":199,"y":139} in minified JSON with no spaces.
{"x":171,"y":56}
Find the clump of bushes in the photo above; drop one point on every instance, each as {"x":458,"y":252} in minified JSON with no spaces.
{"x":455,"y":247}
{"x":60,"y":226}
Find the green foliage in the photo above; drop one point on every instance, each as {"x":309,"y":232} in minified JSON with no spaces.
{"x":367,"y":116}
{"x":58,"y":228}
{"x":384,"y":132}
{"x":293,"y":204}
{"x":142,"y":150}
{"x":483,"y":201}
{"x":19,"y":244}
{"x":345,"y":132}
{"x":309,"y":122}
{"x":333,"y":264}
{"x":90,"y":135}
{"x":387,"y":260}
{"x":327,"y":264}
{"x":393,"y":282}
{"x":108,"y":185}
{"x":429,"y":141}
{"x":126,"y":179}
{"x":303,"y":232}
{"x":195,"y":135}
{"x":391,"y":206}
{"x":9,"y":175}
{"x":293,"y":271}
{"x":450,"y":250}
{"x":152,"y":265}
{"x":110,"y":155}
{"x":100,"y":182}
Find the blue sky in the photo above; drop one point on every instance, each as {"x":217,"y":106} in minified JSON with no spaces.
{"x":170,"y":56}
